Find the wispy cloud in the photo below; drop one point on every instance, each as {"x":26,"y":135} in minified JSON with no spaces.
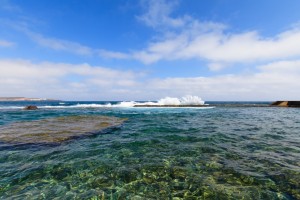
{"x":9,"y":6}
{"x":74,"y":47}
{"x":113,"y":54}
{"x":60,"y":45}
{"x":5,"y":43}
{"x":157,"y":14}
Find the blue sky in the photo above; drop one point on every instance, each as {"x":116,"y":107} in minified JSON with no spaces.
{"x":146,"y":50}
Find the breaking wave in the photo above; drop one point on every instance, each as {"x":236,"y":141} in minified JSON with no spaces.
{"x":169,"y":101}
{"x":186,"y":100}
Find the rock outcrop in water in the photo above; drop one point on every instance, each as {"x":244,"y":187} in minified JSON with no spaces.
{"x":56,"y":130}
{"x":286,"y":103}
{"x":30,"y":107}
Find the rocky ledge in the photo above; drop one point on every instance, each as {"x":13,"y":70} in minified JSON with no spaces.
{"x":56,"y":130}
{"x":286,"y":103}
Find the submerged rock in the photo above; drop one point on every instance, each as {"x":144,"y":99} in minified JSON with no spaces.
{"x":30,"y":107}
{"x":55,"y":130}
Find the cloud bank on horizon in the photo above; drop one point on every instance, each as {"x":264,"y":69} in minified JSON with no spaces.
{"x":148,"y":51}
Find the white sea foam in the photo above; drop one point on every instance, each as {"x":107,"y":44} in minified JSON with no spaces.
{"x":169,"y":101}
{"x":186,"y":100}
{"x":125,"y":104}
{"x":79,"y":106}
{"x":10,"y":107}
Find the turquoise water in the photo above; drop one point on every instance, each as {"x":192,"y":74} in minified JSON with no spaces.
{"x":225,"y":152}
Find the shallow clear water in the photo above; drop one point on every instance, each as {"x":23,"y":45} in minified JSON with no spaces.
{"x":158,"y":153}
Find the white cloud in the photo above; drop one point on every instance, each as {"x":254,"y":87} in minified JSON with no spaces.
{"x":220,"y":47}
{"x":183,"y":38}
{"x":273,"y":81}
{"x":216,"y":66}
{"x":4,"y":43}
{"x":282,"y":67}
{"x":213,"y":42}
{"x":62,"y":80}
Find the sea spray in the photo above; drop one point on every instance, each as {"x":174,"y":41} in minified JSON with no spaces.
{"x":169,"y":101}
{"x":186,"y":100}
{"x":191,"y":100}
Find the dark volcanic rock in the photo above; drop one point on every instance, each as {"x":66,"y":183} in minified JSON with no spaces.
{"x":30,"y":107}
{"x":286,"y":103}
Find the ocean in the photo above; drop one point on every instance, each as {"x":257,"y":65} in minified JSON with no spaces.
{"x":230,"y":150}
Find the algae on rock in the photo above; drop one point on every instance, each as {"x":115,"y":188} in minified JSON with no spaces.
{"x":55,"y":130}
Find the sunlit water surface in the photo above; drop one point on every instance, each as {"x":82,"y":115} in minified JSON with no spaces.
{"x":158,"y":153}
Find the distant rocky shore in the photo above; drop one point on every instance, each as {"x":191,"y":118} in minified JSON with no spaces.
{"x":25,"y":99}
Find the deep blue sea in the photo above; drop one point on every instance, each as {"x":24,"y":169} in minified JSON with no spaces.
{"x":232,"y":150}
